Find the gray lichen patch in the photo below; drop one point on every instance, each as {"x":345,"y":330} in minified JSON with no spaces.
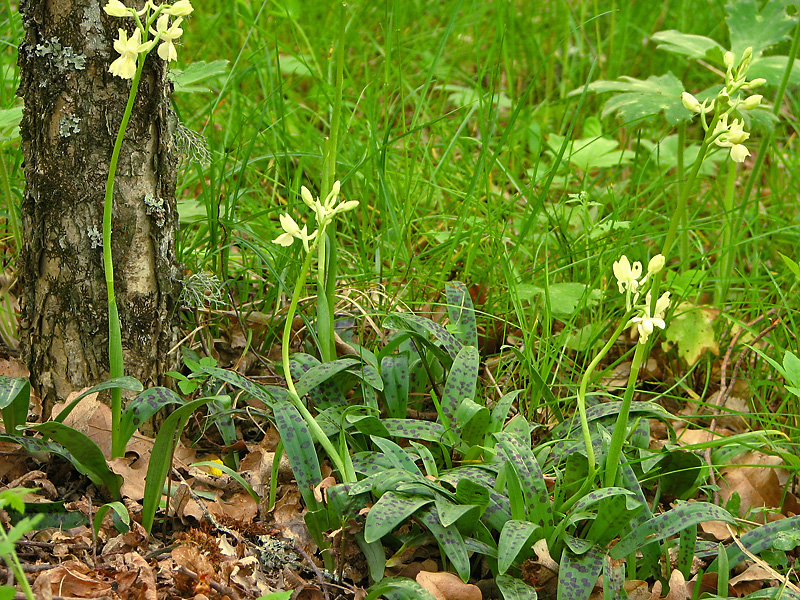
{"x":68,"y":125}
{"x":156,"y":208}
{"x":95,"y":236}
{"x":64,"y":58}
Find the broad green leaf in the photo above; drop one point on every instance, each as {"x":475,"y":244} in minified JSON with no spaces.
{"x":398,"y":588}
{"x":772,"y":69}
{"x":188,"y":80}
{"x":473,"y":421}
{"x":537,"y":498}
{"x":450,"y":513}
{"x":161,"y":459}
{"x":668,"y":524}
{"x":118,"y":507}
{"x":758,"y":28}
{"x":515,"y":589}
{"x":89,"y":457}
{"x":461,"y":313}
{"x":369,"y":375}
{"x":589,"y":154}
{"x":639,"y":99}
{"x":791,"y":367}
{"x":391,"y":510}
{"x":692,"y":329}
{"x":686,"y":550}
{"x":15,"y":393}
{"x":565,"y":298}
{"x":513,"y":539}
{"x":693,"y":46}
{"x":614,"y":515}
{"x":395,"y":375}
{"x":792,"y":265}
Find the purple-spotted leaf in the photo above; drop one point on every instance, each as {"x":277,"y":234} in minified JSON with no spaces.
{"x":449,"y":538}
{"x":369,"y":375}
{"x":598,"y":495}
{"x":124,"y":383}
{"x":144,"y":406}
{"x":473,"y":420}
{"x":449,"y":513}
{"x":267,"y":394}
{"x":513,"y":539}
{"x":321,"y":373}
{"x":515,"y":589}
{"x":577,"y":574}
{"x":448,"y":341}
{"x":668,"y":524}
{"x":370,"y":463}
{"x":614,"y":577}
{"x":299,"y":447}
{"x":461,"y":313}
{"x":391,"y":509}
{"x":415,"y":430}
{"x":396,"y":455}
{"x":760,"y":539}
{"x":398,"y":588}
{"x":461,"y":382}
{"x":395,"y":374}
{"x":537,"y":498}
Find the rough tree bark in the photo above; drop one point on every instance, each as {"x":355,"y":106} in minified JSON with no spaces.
{"x":73,"y":108}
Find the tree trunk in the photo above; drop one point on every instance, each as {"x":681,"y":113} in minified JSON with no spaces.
{"x":73,"y":109}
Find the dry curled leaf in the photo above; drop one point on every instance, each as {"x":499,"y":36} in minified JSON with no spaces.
{"x":448,"y":586}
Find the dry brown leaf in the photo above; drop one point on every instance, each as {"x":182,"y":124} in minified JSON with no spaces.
{"x":448,"y":586}
{"x":757,"y":486}
{"x":73,"y":579}
{"x":696,"y":436}
{"x":138,"y":582}
{"x":678,"y":590}
{"x":717,"y":529}
{"x":637,"y":589}
{"x":239,"y":506}
{"x":13,"y":367}
{"x":191,"y":558}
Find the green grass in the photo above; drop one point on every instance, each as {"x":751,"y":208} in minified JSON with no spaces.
{"x":448,"y":112}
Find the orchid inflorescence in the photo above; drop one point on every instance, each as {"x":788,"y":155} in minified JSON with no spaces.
{"x":130,"y":48}
{"x":324,"y":211}
{"x":729,"y":135}
{"x":629,"y":282}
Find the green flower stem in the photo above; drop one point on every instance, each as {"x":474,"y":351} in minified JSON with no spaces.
{"x":344,"y":465}
{"x":115,"y":361}
{"x":681,"y":171}
{"x":621,"y":426}
{"x":755,"y":172}
{"x":326,"y":281}
{"x":686,"y":188}
{"x":587,"y":434}
{"x":727,"y":252}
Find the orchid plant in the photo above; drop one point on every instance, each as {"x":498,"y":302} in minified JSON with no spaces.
{"x":132,"y":51}
{"x":325,"y":212}
{"x":645,"y":318}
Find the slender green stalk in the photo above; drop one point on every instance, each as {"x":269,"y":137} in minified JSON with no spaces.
{"x":727,"y":251}
{"x":115,"y":361}
{"x":681,"y":171}
{"x":621,"y":426}
{"x":344,"y":465}
{"x":587,"y":434}
{"x":16,"y":567}
{"x":755,"y":172}
{"x":326,"y":279}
